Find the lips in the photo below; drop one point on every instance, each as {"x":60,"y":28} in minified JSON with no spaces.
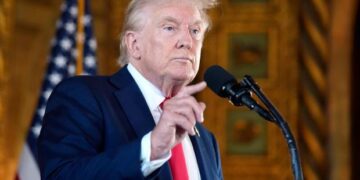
{"x":183,"y":59}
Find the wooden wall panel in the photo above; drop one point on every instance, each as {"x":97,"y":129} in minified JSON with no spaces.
{"x":324,"y":94}
{"x":6,"y":22}
{"x":257,"y":150}
{"x":339,"y":84}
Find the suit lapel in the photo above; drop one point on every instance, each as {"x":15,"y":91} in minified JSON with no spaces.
{"x":133,"y":103}
{"x":199,"y":157}
{"x":204,"y":155}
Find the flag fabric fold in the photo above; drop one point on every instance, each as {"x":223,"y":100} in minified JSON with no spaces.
{"x":62,"y":64}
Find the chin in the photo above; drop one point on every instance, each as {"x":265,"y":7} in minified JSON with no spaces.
{"x":182,"y":73}
{"x":184,"y":77}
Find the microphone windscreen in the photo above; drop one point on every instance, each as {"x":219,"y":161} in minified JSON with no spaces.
{"x":216,"y":77}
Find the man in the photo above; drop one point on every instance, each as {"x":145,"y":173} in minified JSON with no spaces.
{"x":142,"y":122}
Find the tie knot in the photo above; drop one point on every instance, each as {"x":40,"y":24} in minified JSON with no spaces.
{"x":162,"y":103}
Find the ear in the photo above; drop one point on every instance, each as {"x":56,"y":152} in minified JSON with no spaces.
{"x":132,"y":44}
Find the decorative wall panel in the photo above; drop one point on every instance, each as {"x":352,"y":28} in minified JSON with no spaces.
{"x":313,"y":89}
{"x":250,"y":48}
{"x":248,"y":54}
{"x":255,"y":38}
{"x":246,"y":134}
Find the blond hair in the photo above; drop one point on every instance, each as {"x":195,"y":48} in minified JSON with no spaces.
{"x":134,"y":20}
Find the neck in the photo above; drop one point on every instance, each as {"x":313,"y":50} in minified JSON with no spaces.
{"x":170,"y":87}
{"x":167,"y":85}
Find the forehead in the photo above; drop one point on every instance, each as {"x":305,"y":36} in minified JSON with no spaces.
{"x":181,"y":11}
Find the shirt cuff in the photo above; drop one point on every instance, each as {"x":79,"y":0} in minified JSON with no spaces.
{"x":147,"y":166}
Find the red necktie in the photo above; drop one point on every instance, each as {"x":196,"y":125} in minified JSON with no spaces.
{"x":177,"y":160}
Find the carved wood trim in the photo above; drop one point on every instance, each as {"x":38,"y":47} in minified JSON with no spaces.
{"x":339,"y":80}
{"x":5,"y":32}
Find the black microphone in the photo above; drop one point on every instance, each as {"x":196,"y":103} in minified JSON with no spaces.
{"x":225,"y":85}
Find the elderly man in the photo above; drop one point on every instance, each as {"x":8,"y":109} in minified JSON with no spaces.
{"x":143,"y":122}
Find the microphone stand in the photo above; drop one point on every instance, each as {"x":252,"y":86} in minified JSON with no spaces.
{"x":278,"y":120}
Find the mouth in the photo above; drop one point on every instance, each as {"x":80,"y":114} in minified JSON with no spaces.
{"x":183,"y":59}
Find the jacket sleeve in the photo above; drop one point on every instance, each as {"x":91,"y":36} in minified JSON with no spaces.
{"x":70,"y":145}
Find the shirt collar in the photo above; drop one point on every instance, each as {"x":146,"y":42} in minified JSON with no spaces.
{"x":153,"y":96}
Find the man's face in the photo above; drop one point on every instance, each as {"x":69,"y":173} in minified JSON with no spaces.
{"x":171,"y":41}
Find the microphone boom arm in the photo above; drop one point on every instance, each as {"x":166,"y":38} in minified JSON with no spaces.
{"x":239,"y":95}
{"x":279,"y":120}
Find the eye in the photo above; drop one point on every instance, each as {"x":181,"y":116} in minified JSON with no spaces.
{"x":169,"y":28}
{"x":195,"y":31}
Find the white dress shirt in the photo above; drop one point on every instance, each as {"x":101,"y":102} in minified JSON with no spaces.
{"x":154,"y":97}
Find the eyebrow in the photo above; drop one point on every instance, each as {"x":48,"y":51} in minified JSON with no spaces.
{"x":174,"y":20}
{"x":170,"y":19}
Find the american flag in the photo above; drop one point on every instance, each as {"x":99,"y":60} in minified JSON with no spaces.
{"x":61,"y":64}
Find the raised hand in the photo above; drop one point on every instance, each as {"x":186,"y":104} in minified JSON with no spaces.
{"x":180,"y":114}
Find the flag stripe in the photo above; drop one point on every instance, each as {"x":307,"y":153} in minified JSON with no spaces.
{"x":28,"y":169}
{"x":62,"y":63}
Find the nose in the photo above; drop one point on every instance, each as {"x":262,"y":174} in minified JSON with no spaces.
{"x":185,"y":39}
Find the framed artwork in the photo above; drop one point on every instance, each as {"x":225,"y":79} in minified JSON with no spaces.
{"x":248,"y":54}
{"x":246,"y":133}
{"x":250,"y":48}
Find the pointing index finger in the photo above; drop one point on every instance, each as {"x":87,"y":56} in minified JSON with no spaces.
{"x":192,"y":89}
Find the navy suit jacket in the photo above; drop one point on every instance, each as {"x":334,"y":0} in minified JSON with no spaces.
{"x":93,"y":128}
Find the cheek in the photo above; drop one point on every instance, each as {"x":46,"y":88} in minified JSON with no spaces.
{"x":159,"y":47}
{"x":198,"y":57}
{"x":197,"y":65}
